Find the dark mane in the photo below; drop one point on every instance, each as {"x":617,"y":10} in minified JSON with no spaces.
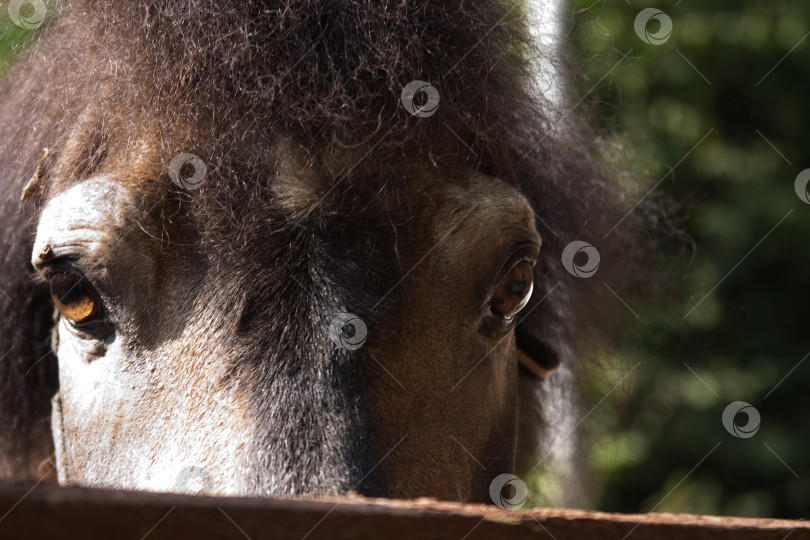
{"x":326,"y":75}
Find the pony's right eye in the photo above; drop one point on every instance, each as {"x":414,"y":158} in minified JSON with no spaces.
{"x":75,"y":298}
{"x":513,"y":291}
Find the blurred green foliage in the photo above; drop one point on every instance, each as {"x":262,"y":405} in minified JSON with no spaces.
{"x":14,"y":40}
{"x":719,"y":101}
{"x":730,"y":76}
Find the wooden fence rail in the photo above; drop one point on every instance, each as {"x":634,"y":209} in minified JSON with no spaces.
{"x":46,"y":511}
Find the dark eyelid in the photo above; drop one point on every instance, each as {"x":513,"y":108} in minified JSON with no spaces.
{"x":523,"y":251}
{"x":47,"y":269}
{"x":98,"y":329}
{"x":52,"y":267}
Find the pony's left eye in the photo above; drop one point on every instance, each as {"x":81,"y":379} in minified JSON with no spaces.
{"x":513,"y":292}
{"x":75,"y":298}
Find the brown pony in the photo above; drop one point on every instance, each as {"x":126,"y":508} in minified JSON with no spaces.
{"x":280,"y":247}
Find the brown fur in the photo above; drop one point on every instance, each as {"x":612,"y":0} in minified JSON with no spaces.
{"x":318,"y":175}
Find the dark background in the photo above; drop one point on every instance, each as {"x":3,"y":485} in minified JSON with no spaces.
{"x":734,"y":125}
{"x":726,"y":136}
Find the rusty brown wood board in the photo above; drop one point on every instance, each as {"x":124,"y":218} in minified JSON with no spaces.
{"x":46,"y":511}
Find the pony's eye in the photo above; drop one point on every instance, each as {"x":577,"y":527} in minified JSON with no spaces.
{"x":75,"y":298}
{"x":514,"y":291}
